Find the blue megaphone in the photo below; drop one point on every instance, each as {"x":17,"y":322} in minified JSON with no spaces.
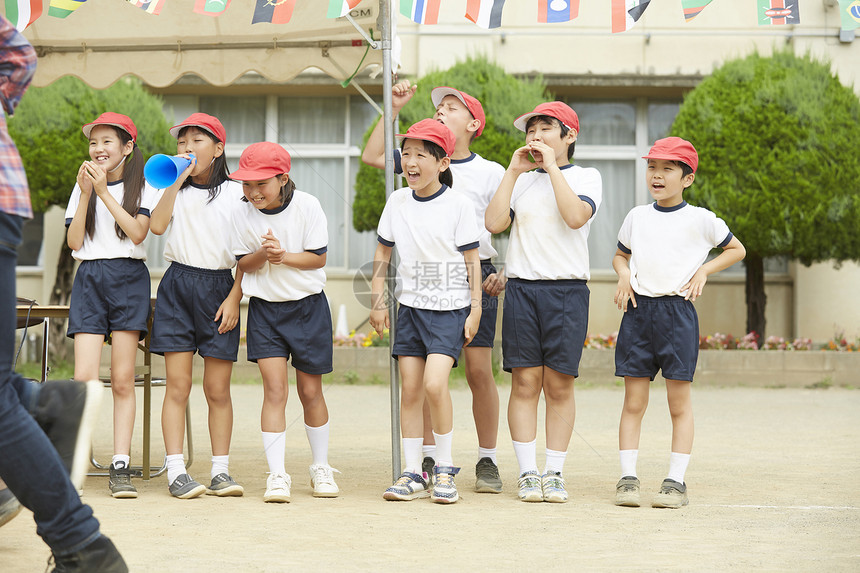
{"x":161,"y":171}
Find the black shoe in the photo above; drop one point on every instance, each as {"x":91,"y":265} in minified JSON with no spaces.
{"x":487,"y":478}
{"x":66,"y":410}
{"x":100,"y":556}
{"x":9,"y":506}
{"x":427,"y":465}
{"x":120,"y":481}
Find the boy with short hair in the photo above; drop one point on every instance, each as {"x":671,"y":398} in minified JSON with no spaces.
{"x":659,"y":261}
{"x":477,"y":178}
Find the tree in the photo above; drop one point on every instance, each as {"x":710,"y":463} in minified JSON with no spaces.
{"x":777,"y":139}
{"x":504,"y":98}
{"x":46,"y":128}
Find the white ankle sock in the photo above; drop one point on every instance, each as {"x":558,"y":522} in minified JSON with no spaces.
{"x":526,"y":456}
{"x":220,"y":465}
{"x":318,"y":439}
{"x":628,"y":462}
{"x":429,"y":450}
{"x":678,"y":466}
{"x":274,"y":444}
{"x":412,"y":454}
{"x":443,"y":448}
{"x":487,"y":453}
{"x":175,"y":467}
{"x":554,"y":461}
{"x":120,"y":458}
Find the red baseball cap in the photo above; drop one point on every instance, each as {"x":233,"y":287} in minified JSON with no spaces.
{"x":432,"y":130}
{"x":472,"y":104}
{"x":674,"y":149}
{"x":115,"y":119}
{"x":203,"y":121}
{"x":557,"y":109}
{"x":261,"y":161}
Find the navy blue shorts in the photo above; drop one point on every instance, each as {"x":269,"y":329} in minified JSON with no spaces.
{"x":544,"y":324}
{"x":421,"y":332}
{"x":489,"y":309}
{"x":185,"y":308}
{"x":298,"y":328}
{"x":661,"y":333}
{"x":110,"y":295}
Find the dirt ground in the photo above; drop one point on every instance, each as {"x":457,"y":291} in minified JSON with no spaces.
{"x":772,"y":484}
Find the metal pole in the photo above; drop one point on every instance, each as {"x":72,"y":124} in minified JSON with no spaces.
{"x":385,"y":26}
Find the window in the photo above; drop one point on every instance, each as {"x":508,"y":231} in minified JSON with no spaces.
{"x":30,"y":250}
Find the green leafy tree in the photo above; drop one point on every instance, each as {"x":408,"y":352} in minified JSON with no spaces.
{"x":504,"y":98}
{"x":46,"y":128}
{"x":778,"y":140}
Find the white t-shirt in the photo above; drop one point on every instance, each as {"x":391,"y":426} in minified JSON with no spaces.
{"x":476,"y":178}
{"x":300,"y":226}
{"x":430,"y":235}
{"x":105,"y":244}
{"x":200,"y":231}
{"x":542,"y":246}
{"x":667,"y":246}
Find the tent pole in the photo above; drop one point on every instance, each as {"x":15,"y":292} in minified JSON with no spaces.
{"x":385,"y":25}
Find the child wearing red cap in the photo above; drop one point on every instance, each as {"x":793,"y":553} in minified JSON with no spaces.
{"x":439,"y":291}
{"x":659,"y":261}
{"x":477,"y":178}
{"x":281,"y":240}
{"x":197,"y":305}
{"x":107,"y":220}
{"x":546,"y":298}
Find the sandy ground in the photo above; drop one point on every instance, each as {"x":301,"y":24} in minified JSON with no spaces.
{"x":772,"y":482}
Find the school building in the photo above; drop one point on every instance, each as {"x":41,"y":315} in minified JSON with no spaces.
{"x":625,"y":87}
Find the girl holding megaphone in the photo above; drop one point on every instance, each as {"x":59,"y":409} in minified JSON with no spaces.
{"x":197,"y":306}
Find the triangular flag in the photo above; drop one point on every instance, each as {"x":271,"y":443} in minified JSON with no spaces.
{"x":551,"y":11}
{"x":211,"y":7}
{"x":625,"y":14}
{"x":340,"y":8}
{"x":149,"y":6}
{"x":485,"y":13}
{"x":421,"y":11}
{"x":62,"y":8}
{"x":850,"y":10}
{"x":693,"y":8}
{"x":778,"y":12}
{"x":22,"y":13}
{"x":273,"y":11}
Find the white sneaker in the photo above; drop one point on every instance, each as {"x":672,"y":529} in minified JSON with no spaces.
{"x":322,"y":480}
{"x":278,"y":488}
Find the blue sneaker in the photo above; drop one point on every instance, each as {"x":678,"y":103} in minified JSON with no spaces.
{"x":444,"y":490}
{"x":408,"y":486}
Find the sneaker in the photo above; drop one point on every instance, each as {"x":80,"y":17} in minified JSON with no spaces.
{"x":552,"y":487}
{"x":184,"y":487}
{"x":9,"y":506}
{"x":408,"y":486}
{"x":672,"y":494}
{"x":223,"y":486}
{"x":530,"y":488}
{"x":444,"y":490}
{"x":278,"y":488}
{"x":627,"y":491}
{"x":120,"y":481}
{"x":101,"y":555}
{"x":66,"y":410}
{"x":427,"y":467}
{"x":322,"y":480}
{"x":488,"y":478}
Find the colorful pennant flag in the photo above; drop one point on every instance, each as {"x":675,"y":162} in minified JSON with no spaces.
{"x":340,"y":8}
{"x":693,"y":8}
{"x":625,"y":13}
{"x":149,"y":6}
{"x":62,"y":8}
{"x":273,"y":11}
{"x":850,"y":10}
{"x":421,"y":11}
{"x":485,"y":13}
{"x":551,"y":11}
{"x":778,"y":12}
{"x":211,"y":7}
{"x":22,"y":13}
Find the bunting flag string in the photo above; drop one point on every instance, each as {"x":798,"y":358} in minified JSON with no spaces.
{"x":149,"y":6}
{"x":22,"y":13}
{"x":778,"y":12}
{"x":273,"y":11}
{"x":421,"y":11}
{"x":485,"y":13}
{"x":552,"y":11}
{"x":62,"y":8}
{"x":340,"y":8}
{"x":625,"y":14}
{"x":693,"y":8}
{"x":850,"y":12}
{"x":211,"y":7}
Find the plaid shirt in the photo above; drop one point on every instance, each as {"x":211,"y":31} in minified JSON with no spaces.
{"x":17,"y":65}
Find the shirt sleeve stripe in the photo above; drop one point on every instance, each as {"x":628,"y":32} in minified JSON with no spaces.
{"x":727,"y":240}
{"x":590,"y":201}
{"x":384,"y":242}
{"x":469,"y":247}
{"x":623,"y":249}
{"x":320,"y":251}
